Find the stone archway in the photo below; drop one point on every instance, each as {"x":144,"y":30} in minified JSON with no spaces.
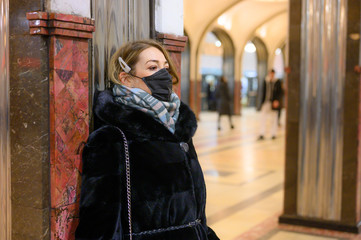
{"x":262,"y":64}
{"x":228,"y":59}
{"x":227,"y":67}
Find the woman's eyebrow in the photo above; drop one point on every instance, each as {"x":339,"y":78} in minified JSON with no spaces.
{"x":156,"y":61}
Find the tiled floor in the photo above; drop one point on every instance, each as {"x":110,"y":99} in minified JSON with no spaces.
{"x":244,"y":180}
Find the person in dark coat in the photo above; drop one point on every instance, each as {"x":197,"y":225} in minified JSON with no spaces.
{"x":211,"y":101}
{"x":223,"y":102}
{"x":141,"y":178}
{"x":271,"y":98}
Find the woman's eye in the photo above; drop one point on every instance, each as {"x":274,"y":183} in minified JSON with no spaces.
{"x":152,"y":68}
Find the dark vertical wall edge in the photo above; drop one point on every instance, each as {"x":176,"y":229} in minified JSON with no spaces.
{"x":292,"y":122}
{"x":29,"y":125}
{"x":350,"y":175}
{"x":152,"y":32}
{"x":5,"y":182}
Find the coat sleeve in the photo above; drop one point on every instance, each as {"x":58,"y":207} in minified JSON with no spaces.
{"x":100,"y":207}
{"x":211,"y":234}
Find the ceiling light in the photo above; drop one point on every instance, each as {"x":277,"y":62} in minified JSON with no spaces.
{"x":250,"y":47}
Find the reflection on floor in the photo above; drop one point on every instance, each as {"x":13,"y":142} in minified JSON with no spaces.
{"x":244,"y":179}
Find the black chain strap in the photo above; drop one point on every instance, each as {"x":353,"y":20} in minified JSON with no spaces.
{"x":129,"y":194}
{"x":172,"y":228}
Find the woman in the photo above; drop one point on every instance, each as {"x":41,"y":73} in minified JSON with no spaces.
{"x":141,"y":178}
{"x":223,"y":102}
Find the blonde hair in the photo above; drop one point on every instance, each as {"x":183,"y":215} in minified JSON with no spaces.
{"x":129,"y":52}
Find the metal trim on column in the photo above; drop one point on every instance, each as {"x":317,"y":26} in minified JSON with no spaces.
{"x":323,"y":45}
{"x":5,"y":164}
{"x":339,"y":53}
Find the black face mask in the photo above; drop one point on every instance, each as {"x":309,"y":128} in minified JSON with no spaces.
{"x":160,"y":84}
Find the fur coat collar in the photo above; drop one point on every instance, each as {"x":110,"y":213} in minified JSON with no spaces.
{"x":137,"y":124}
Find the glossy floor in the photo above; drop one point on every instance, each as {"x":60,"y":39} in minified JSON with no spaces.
{"x":244,"y":179}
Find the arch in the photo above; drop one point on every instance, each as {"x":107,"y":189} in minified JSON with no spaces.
{"x":225,"y":39}
{"x":266,"y":21}
{"x":205,"y":30}
{"x":196,"y":50}
{"x":228,"y":56}
{"x":196,"y":88}
{"x":262,"y":65}
{"x":253,"y":34}
{"x":209,"y":24}
{"x":228,"y":63}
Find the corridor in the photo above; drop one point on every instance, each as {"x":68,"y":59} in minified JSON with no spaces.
{"x":245,"y":180}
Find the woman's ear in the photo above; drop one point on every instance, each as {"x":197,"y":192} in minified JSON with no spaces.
{"x":125,"y":79}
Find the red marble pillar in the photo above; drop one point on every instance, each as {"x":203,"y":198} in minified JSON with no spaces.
{"x":198,"y":98}
{"x":192,"y":100}
{"x":237,"y":98}
{"x":69,"y":111}
{"x":175,"y":46}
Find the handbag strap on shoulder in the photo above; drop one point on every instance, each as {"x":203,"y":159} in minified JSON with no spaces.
{"x":127,"y":169}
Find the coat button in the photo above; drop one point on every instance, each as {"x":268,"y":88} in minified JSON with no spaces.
{"x":184,"y":146}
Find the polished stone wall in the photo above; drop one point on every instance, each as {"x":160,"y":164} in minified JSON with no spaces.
{"x":68,"y":111}
{"x":351,"y":173}
{"x":293,"y":107}
{"x":351,"y":157}
{"x":49,"y":116}
{"x":69,"y":127}
{"x":29,"y":126}
{"x":5,"y":170}
{"x":323,"y":52}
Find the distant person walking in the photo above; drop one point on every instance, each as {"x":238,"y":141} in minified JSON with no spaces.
{"x":271,"y":98}
{"x":223,"y":102}
{"x":211,"y":101}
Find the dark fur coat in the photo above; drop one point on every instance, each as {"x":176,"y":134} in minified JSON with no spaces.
{"x":167,"y":185}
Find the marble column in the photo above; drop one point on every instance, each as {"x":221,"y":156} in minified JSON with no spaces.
{"x":29,"y":126}
{"x":175,"y":46}
{"x":192,"y":96}
{"x":322,"y":174}
{"x":237,"y":98}
{"x":5,"y":170}
{"x":68,"y":111}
